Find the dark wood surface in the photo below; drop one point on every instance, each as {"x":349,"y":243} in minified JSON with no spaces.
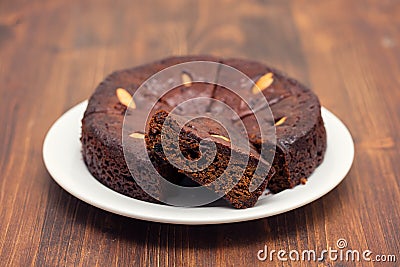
{"x":54,"y":53}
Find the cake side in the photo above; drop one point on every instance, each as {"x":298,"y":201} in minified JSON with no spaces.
{"x":105,"y":160}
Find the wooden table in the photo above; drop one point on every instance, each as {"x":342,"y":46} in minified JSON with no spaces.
{"x":54,"y":53}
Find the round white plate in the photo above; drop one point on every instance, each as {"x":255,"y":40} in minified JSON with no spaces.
{"x":63,"y":159}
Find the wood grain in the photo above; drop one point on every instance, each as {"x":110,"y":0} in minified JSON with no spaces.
{"x":54,"y":53}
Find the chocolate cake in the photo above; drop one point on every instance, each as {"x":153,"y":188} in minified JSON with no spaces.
{"x":300,"y":132}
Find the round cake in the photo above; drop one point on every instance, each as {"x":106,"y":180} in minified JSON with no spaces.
{"x":300,"y":132}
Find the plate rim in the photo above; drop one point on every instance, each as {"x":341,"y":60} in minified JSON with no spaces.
{"x":165,"y":217}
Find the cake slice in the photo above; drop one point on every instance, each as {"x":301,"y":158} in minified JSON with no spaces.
{"x":243,"y":173}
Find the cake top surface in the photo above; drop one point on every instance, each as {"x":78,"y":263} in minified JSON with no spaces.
{"x":295,"y":108}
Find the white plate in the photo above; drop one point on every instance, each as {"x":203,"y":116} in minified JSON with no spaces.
{"x":62,"y":157}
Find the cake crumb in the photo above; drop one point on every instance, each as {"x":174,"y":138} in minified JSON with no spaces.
{"x":303,"y":180}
